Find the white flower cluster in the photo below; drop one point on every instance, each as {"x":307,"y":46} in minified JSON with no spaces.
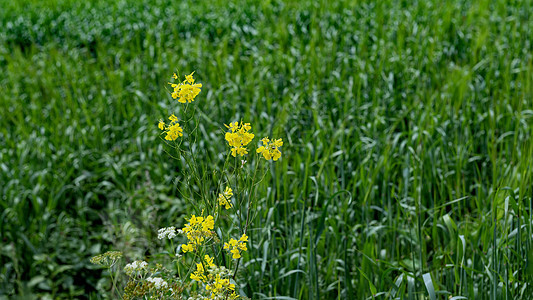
{"x":134,"y":267}
{"x":222,"y":271}
{"x":168,"y":232}
{"x":159,"y":283}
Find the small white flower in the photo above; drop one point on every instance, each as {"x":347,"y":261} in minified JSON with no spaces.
{"x":168,"y":232}
{"x":134,"y":267}
{"x":158,"y":282}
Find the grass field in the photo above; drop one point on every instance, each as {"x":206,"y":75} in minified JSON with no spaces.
{"x":406,"y":169}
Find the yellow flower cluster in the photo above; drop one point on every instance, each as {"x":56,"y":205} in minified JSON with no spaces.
{"x":197,"y":230}
{"x":224,"y":198}
{"x":222,"y":287}
{"x":199,"y":274}
{"x":213,"y":278}
{"x":173,"y":129}
{"x":238,"y":137}
{"x":270,"y":149}
{"x":236,"y":246}
{"x":187,"y":90}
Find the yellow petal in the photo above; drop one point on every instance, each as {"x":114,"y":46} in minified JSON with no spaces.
{"x":276,"y":155}
{"x":278,"y":143}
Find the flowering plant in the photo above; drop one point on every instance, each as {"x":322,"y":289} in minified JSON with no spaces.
{"x":207,"y":263}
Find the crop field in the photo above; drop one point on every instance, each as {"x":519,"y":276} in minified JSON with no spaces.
{"x":405,"y":170}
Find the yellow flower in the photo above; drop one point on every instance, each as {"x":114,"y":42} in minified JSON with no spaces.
{"x":236,"y":246}
{"x":187,"y":90}
{"x":209,"y":260}
{"x":221,"y":287}
{"x":208,"y":224}
{"x":239,"y":151}
{"x":199,"y":268}
{"x":238,"y":137}
{"x":270,"y":149}
{"x":189,"y":78}
{"x":187,"y":248}
{"x":199,"y":275}
{"x":197,"y":230}
{"x":236,"y":253}
{"x":278,"y":143}
{"x":173,"y":130}
{"x":224,"y":198}
{"x":233,"y":126}
{"x":228,"y":192}
{"x":244,"y":238}
{"x":173,"y":118}
{"x":195,"y":220}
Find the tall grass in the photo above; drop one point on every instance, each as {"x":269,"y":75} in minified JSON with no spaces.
{"x":407,"y":128}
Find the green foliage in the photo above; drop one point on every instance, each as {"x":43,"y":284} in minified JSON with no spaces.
{"x":406,"y":127}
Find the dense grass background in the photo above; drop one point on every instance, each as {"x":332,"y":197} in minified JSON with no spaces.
{"x":406,"y":169}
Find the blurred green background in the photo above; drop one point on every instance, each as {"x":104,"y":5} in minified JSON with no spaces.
{"x":406,"y":168}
